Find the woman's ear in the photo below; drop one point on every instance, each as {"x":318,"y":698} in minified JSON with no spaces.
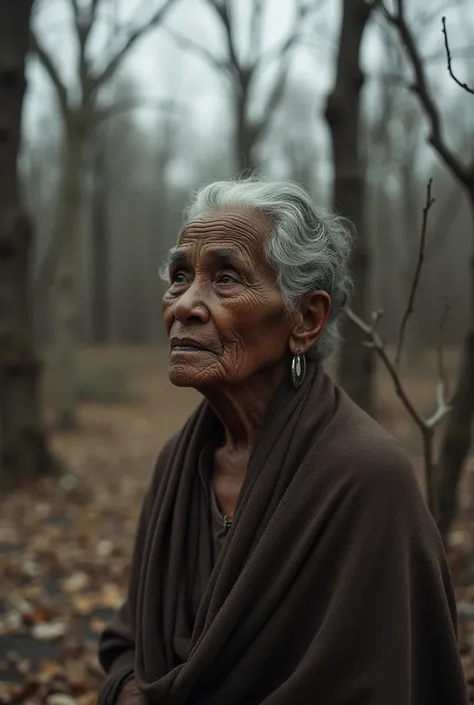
{"x":311,"y":321}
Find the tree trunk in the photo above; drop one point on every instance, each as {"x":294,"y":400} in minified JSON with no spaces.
{"x":100,"y":248}
{"x":24,"y":452}
{"x":357,"y":364}
{"x":244,"y":142}
{"x":456,"y":441}
{"x":65,"y":289}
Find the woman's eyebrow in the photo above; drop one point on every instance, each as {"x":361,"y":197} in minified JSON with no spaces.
{"x":220,"y":255}
{"x":225,"y":255}
{"x":178,"y":257}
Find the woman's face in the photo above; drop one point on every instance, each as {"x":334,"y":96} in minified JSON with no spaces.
{"x":223,"y":311}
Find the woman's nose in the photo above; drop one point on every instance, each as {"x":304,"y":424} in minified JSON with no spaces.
{"x":191,"y":305}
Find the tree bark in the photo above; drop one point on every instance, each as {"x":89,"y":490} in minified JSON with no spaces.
{"x":99,"y":250}
{"x":24,"y":452}
{"x":65,"y":289}
{"x":356,"y":363}
{"x":457,"y":437}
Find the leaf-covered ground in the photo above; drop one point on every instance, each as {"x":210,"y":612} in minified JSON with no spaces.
{"x":65,"y":553}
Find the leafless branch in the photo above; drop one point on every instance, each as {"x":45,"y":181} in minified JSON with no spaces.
{"x":426,"y":426}
{"x":273,"y":100}
{"x":294,"y":36}
{"x":377,"y":344}
{"x":449,"y":60}
{"x":424,"y":94}
{"x":75,"y":8}
{"x":416,"y":278}
{"x":133,"y":37}
{"x":83,"y":25}
{"x":445,"y":219}
{"x":255,"y":35}
{"x":50,"y":68}
{"x":440,"y":55}
{"x":188,"y":43}
{"x":223,"y":10}
{"x":107,"y":112}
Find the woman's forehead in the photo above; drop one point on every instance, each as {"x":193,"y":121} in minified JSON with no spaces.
{"x":229,"y":224}
{"x":225,"y":237}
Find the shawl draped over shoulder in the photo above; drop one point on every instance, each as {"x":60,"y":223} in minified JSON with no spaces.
{"x":332,"y":586}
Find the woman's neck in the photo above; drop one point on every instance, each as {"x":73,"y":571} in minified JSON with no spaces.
{"x":241,"y":408}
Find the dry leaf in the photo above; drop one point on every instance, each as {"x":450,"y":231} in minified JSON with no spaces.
{"x":48,"y":631}
{"x":76,"y":582}
{"x":61,"y":699}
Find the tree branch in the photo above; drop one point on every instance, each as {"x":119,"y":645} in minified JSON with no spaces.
{"x":255,"y":34}
{"x":376,"y":343}
{"x":110,"y":111}
{"x":424,"y":94}
{"x":273,"y":100}
{"x":445,"y":220}
{"x":449,"y":60}
{"x":278,"y":87}
{"x":133,"y":37}
{"x":282,"y":48}
{"x":222,"y":9}
{"x":416,"y":278}
{"x":48,"y":64}
{"x":426,"y":426}
{"x":83,"y":26}
{"x":187,"y":43}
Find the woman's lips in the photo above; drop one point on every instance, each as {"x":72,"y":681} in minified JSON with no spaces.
{"x":186,"y":348}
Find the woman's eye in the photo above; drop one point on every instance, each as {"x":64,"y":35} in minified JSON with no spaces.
{"x":178,"y":278}
{"x":227,"y":279}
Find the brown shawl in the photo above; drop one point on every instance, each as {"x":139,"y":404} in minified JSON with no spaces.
{"x":332,"y":586}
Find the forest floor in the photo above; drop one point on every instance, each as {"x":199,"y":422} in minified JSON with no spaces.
{"x":65,"y":552}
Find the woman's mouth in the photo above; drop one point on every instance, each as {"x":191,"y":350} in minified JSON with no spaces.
{"x":186,"y":345}
{"x":186,"y":348}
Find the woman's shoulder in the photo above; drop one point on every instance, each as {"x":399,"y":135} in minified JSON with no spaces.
{"x":366,"y":453}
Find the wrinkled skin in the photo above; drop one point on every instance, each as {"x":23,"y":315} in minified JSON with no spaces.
{"x":224,"y":296}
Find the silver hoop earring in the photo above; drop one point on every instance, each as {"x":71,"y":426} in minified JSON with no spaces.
{"x":298,"y":368}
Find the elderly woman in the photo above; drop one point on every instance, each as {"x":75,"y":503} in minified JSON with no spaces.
{"x":284,"y":554}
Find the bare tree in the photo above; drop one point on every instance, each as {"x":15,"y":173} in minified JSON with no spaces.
{"x":100,"y":255}
{"x":24,"y":452}
{"x":79,"y":120}
{"x":457,"y":435}
{"x":356,"y":366}
{"x":243,"y":71}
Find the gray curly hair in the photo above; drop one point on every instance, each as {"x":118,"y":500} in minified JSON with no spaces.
{"x":308,"y":247}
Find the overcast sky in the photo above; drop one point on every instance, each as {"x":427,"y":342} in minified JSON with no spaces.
{"x":158,"y":69}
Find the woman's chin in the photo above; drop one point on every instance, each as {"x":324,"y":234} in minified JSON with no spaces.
{"x":187,"y":376}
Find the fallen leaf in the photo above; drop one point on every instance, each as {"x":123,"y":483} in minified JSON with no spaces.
{"x":61,"y":699}
{"x":76,"y":582}
{"x":48,"y":631}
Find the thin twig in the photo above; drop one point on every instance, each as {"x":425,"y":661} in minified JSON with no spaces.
{"x":449,"y":59}
{"x":416,"y":279}
{"x":427,"y":426}
{"x":437,"y":140}
{"x":378,"y":345}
